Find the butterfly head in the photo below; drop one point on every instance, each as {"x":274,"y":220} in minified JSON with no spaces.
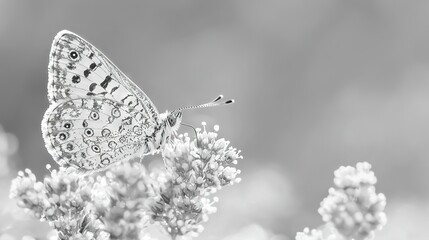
{"x":173,"y":120}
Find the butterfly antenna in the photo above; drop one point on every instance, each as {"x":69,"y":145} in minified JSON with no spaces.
{"x":213,"y":103}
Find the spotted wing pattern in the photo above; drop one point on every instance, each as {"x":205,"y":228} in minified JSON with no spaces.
{"x":78,"y":69}
{"x":97,"y":116}
{"x":91,"y":134}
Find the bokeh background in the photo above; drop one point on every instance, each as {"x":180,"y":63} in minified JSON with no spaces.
{"x":317,"y":84}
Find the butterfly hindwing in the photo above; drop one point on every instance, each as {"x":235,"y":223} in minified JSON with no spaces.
{"x":91,"y":134}
{"x":79,"y":70}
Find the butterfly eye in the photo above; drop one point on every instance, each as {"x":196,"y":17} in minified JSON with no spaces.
{"x":73,"y":55}
{"x":171,"y":121}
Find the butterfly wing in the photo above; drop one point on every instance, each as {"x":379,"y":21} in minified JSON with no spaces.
{"x":91,"y":134}
{"x":79,"y":70}
{"x":97,"y":116}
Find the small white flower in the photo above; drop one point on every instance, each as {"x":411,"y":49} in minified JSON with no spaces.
{"x":353,"y":206}
{"x":308,"y":234}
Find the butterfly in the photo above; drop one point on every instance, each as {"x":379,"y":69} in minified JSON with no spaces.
{"x":97,"y":116}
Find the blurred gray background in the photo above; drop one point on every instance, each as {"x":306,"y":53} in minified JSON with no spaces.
{"x":317,"y":84}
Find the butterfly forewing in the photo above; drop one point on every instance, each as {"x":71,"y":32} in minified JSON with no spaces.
{"x":78,"y":69}
{"x":97,"y":115}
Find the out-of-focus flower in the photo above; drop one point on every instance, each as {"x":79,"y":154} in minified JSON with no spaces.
{"x":408,"y":219}
{"x":307,"y":234}
{"x":6,"y":236}
{"x":8,"y":147}
{"x":28,"y":238}
{"x":353,"y":206}
{"x":324,"y":232}
{"x":255,"y":232}
{"x":197,"y":168}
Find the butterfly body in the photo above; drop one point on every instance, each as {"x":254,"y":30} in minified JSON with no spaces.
{"x":97,"y":115}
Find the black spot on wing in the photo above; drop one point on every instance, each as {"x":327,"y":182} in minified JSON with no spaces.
{"x":106,"y":82}
{"x":92,"y":86}
{"x":71,"y":66}
{"x":69,"y":147}
{"x":86,"y":72}
{"x":92,"y":66}
{"x":76,"y":79}
{"x":123,"y":100}
{"x":127,"y":121}
{"x":67,"y":92}
{"x":114,"y":89}
{"x":137,"y":103}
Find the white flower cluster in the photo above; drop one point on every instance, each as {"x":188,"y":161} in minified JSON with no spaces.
{"x":61,"y":200}
{"x":122,"y":201}
{"x":119,"y":199}
{"x":109,"y":206}
{"x":198,"y":168}
{"x":353,"y":206}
